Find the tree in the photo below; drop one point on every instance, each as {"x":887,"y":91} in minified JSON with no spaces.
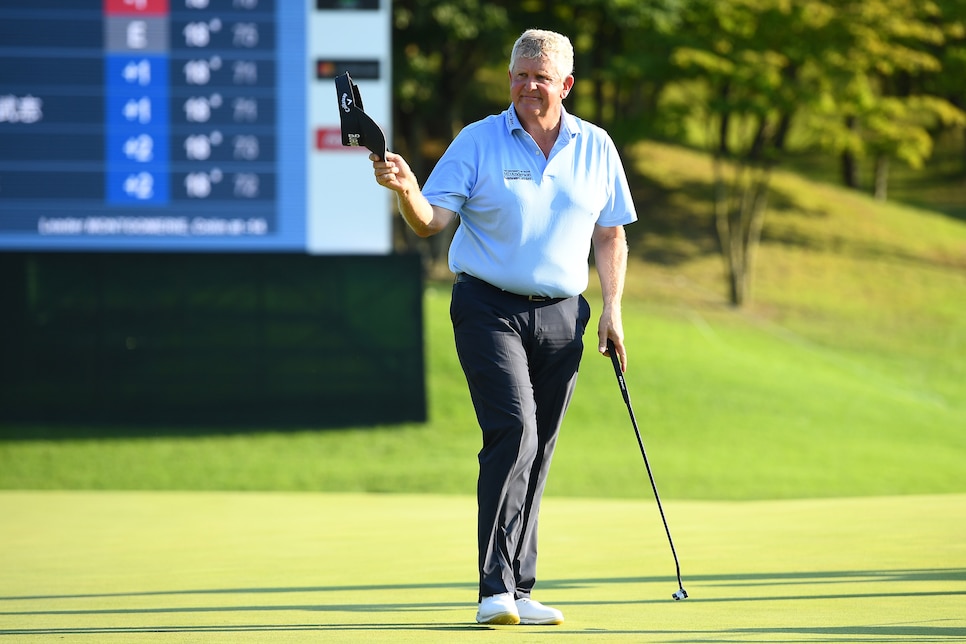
{"x":889,"y":46}
{"x":753,"y":62}
{"x":948,"y":81}
{"x":758,"y":67}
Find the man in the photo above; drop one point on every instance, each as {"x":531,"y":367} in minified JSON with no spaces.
{"x":533,"y":187}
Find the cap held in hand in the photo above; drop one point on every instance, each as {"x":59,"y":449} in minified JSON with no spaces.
{"x":358,"y":128}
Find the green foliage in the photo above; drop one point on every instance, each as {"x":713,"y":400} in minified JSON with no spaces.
{"x":838,"y":74}
{"x":438,"y":47}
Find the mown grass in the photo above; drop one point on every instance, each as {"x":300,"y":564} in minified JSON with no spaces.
{"x":234,"y":568}
{"x":845,"y":376}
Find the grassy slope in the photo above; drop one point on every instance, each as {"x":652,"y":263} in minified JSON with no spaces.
{"x":847,"y":376}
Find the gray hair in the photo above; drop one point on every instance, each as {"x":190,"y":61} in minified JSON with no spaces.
{"x":539,"y":43}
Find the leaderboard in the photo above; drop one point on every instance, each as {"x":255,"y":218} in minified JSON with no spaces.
{"x":139,"y":119}
{"x":190,"y":104}
{"x":181,"y":124}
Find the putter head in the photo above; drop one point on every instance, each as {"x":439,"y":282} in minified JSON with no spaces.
{"x":358,"y":128}
{"x":680,"y":594}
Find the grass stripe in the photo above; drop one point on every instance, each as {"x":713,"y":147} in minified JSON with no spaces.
{"x":298,"y":567}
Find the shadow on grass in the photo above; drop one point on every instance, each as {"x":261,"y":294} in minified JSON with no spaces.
{"x":896,"y":579}
{"x":66,"y":431}
{"x":747,"y":580}
{"x":870,"y":633}
{"x":250,"y":628}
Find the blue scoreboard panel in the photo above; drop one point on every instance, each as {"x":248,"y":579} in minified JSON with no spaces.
{"x":172,"y":125}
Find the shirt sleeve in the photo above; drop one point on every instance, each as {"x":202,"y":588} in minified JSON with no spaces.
{"x":451,"y":182}
{"x":619,"y":209}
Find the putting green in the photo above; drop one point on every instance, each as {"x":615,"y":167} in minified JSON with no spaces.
{"x":251,"y":567}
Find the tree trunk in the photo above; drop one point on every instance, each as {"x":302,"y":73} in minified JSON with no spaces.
{"x":850,"y":165}
{"x":850,"y":170}
{"x":597,"y":105}
{"x":755,"y":222}
{"x":722,"y":225}
{"x":881,"y":177}
{"x":739,"y":215}
{"x":739,"y":204}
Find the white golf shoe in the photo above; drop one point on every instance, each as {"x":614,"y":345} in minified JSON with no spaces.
{"x":533,"y":612}
{"x":498,"y":609}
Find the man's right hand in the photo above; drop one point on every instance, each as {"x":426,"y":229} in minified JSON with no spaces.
{"x":393,"y":173}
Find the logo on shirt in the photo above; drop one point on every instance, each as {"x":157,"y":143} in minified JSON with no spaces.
{"x":517,"y":175}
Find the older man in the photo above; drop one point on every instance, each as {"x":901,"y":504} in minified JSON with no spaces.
{"x":533,"y":187}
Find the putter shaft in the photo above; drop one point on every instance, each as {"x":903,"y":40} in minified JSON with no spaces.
{"x":680,"y":593}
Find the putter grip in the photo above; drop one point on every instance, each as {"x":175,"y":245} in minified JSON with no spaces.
{"x":612,"y":350}
{"x":620,"y":374}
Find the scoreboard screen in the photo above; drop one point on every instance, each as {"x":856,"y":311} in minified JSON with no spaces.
{"x":207,"y":125}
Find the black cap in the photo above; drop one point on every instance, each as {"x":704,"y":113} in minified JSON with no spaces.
{"x":358,"y":128}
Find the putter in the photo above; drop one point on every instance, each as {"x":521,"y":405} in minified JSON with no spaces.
{"x":680,"y":593}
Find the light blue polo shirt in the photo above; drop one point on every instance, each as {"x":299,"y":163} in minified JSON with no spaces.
{"x":526,"y":221}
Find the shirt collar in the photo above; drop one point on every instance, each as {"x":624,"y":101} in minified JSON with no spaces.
{"x":568,"y":123}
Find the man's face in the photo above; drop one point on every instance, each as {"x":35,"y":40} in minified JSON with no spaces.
{"x":536,"y":88}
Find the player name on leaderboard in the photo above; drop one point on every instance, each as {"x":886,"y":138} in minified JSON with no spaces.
{"x":138,"y":117}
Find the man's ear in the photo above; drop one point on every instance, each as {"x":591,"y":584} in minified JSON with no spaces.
{"x":568,"y":84}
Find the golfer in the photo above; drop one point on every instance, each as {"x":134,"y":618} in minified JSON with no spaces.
{"x":532,"y":187}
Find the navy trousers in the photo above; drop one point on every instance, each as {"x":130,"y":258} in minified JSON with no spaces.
{"x":520,"y":358}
